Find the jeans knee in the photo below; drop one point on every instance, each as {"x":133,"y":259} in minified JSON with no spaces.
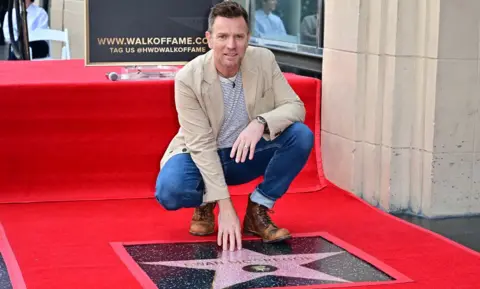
{"x":304,"y":138}
{"x":175,"y":193}
{"x":166,"y":197}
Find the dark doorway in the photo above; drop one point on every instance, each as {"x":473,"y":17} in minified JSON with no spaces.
{"x":3,"y":10}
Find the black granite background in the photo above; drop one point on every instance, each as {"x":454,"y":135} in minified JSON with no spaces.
{"x":345,"y":265}
{"x":5,"y":282}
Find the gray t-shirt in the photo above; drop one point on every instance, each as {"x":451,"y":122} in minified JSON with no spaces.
{"x":235,"y":111}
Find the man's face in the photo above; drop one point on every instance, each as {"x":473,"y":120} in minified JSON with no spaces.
{"x":228,"y":40}
{"x":271,"y":4}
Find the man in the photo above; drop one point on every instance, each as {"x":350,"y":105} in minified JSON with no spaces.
{"x":308,"y":30}
{"x":226,"y":100}
{"x":37,"y":18}
{"x":267,"y":23}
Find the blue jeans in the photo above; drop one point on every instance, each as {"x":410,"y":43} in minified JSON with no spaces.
{"x":180,"y":185}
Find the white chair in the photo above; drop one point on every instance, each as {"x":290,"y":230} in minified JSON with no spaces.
{"x":51,"y":35}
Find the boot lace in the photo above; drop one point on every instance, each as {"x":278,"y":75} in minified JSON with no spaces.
{"x":264,"y":217}
{"x":203,"y":212}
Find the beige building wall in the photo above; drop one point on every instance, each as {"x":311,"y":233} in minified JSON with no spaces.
{"x":401,"y":94}
{"x":69,"y":14}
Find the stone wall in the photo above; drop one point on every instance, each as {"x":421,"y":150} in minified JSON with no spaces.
{"x":69,"y":14}
{"x":401,"y":93}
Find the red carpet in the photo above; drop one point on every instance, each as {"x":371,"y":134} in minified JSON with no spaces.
{"x":66,"y":245}
{"x":96,"y":146}
{"x":100,"y":140}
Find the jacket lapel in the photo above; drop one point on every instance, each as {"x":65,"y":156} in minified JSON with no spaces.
{"x":212,"y":93}
{"x":249,"y":79}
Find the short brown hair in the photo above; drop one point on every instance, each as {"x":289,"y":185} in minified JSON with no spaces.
{"x":227,"y":9}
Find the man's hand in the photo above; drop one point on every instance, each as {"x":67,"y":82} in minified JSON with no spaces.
{"x":228,"y":226}
{"x":247,"y":140}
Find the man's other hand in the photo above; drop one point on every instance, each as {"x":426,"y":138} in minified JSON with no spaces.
{"x":246,"y":141}
{"x":228,"y":226}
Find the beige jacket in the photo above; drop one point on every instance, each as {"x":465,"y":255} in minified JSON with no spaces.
{"x":199,"y":104}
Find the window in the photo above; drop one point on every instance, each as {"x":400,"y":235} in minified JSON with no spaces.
{"x":288,"y":25}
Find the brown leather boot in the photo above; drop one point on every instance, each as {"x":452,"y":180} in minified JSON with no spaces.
{"x":258,"y":222}
{"x":203,"y":220}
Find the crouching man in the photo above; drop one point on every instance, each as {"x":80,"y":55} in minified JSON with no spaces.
{"x":239,"y":120}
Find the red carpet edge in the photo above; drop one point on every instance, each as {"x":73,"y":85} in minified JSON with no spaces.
{"x":13,"y":269}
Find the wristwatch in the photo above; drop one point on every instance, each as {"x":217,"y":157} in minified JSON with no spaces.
{"x":264,"y":122}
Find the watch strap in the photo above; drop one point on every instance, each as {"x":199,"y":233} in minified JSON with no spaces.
{"x":264,"y":122}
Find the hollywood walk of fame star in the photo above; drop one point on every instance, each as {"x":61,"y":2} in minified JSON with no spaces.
{"x":244,"y":265}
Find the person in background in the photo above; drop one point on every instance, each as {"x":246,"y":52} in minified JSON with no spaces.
{"x":37,"y":18}
{"x":239,"y":120}
{"x":308,"y":30}
{"x":267,"y":23}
